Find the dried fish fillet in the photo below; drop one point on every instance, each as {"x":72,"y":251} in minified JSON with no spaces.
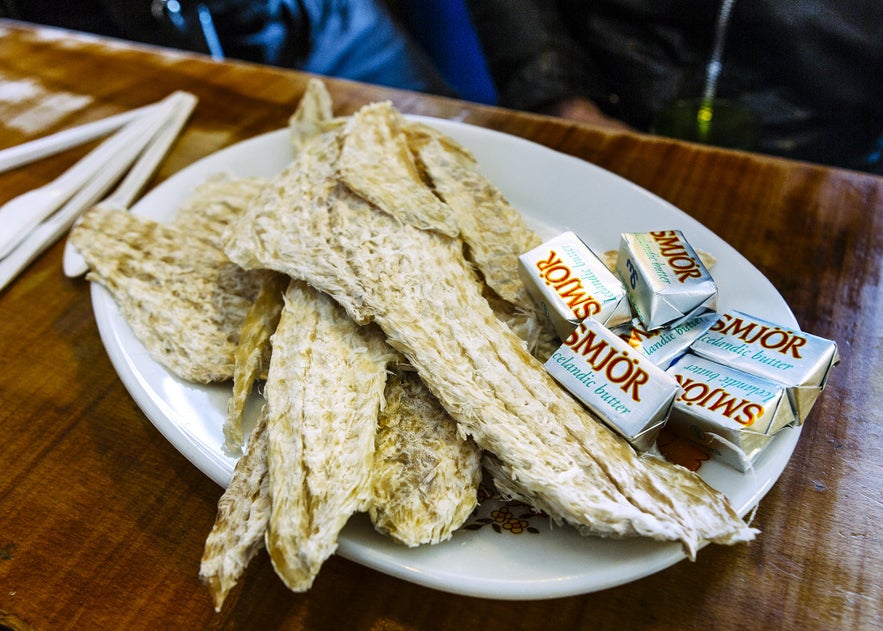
{"x":531,"y":326}
{"x":252,"y":354}
{"x":377,"y":163}
{"x":418,"y":288}
{"x":241,"y":523}
{"x":183,"y":298}
{"x":312,"y":178}
{"x":324,"y":390}
{"x":419,"y":133}
{"x":313,"y":112}
{"x":495,"y":233}
{"x":215,"y":203}
{"x":425,"y":476}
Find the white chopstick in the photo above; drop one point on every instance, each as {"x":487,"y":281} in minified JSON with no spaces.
{"x":73,"y":263}
{"x":50,"y":230}
{"x":33,"y":150}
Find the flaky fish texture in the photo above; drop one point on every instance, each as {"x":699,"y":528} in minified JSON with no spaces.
{"x":183,"y":298}
{"x":241,"y":522}
{"x":532,"y":326}
{"x":425,"y":476}
{"x":377,"y":163}
{"x":216,"y":202}
{"x":310,"y":180}
{"x":313,"y":112}
{"x":252,"y":355}
{"x":206,"y":213}
{"x":417,"y":286}
{"x":494,"y":232}
{"x":324,"y":391}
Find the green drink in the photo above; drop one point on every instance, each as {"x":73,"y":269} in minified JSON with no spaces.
{"x":710,"y":121}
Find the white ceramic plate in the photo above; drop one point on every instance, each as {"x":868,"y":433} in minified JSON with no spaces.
{"x":555,"y":191}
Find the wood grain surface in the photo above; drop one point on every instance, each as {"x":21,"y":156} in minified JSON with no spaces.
{"x":102,"y":521}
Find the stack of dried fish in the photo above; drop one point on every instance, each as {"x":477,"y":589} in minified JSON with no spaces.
{"x":380,"y":268}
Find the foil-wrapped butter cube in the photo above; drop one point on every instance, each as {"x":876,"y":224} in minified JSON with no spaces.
{"x":798,"y":360}
{"x":621,"y":386}
{"x":730,"y":413}
{"x":664,"y":277}
{"x":664,"y":346}
{"x":571,"y":284}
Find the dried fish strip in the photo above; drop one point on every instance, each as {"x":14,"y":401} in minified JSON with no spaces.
{"x":183,"y":298}
{"x":425,"y":476}
{"x":495,"y":233}
{"x":313,"y":112}
{"x":215,"y":203}
{"x":252,"y":354}
{"x":241,"y":523}
{"x":310,"y":179}
{"x":532,"y":327}
{"x":419,"y":289}
{"x":324,"y":390}
{"x":377,"y":163}
{"x":419,"y":133}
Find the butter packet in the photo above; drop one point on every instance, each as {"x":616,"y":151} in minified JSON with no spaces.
{"x":664,"y":346}
{"x":730,"y":413}
{"x":621,"y":386}
{"x":571,"y":284}
{"x":665,"y":280}
{"x":798,"y":360}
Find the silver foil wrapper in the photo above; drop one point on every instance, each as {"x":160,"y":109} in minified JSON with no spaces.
{"x":571,"y":284}
{"x":799,"y":361}
{"x":621,"y":386}
{"x":664,"y":346}
{"x":665,"y":280}
{"x":730,"y":413}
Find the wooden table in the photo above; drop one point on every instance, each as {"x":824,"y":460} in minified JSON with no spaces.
{"x":102,"y":521}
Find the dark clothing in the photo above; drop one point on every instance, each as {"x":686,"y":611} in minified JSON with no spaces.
{"x":352,"y":39}
{"x":812,"y":71}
